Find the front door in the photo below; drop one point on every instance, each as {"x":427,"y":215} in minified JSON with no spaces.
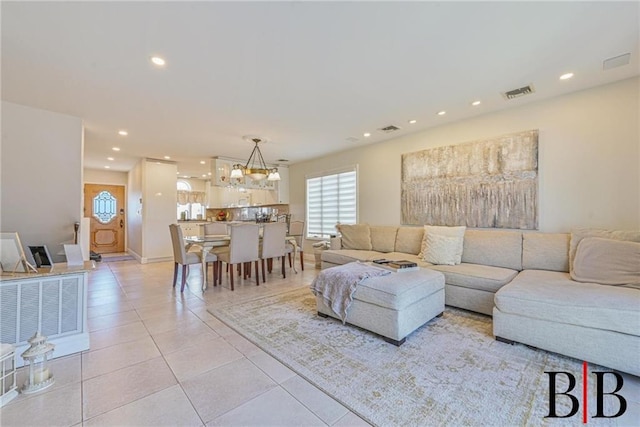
{"x":104,"y":204}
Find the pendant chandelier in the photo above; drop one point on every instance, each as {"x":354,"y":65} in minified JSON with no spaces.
{"x":255,"y":168}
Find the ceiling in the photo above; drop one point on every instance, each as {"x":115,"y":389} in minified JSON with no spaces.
{"x":305,"y":75}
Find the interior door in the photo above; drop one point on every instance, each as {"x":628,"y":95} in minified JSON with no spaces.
{"x":104,"y":204}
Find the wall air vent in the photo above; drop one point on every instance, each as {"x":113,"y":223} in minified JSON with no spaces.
{"x":389,"y":129}
{"x":516,"y":93}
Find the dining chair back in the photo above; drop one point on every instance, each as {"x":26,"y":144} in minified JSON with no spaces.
{"x":296,"y":230}
{"x":216,"y":228}
{"x":185,"y":258}
{"x":273,"y":244}
{"x":243,"y":248}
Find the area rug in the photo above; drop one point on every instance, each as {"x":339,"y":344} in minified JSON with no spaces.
{"x":451,"y":371}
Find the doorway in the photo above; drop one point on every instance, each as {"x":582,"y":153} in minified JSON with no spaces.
{"x":104,"y":205}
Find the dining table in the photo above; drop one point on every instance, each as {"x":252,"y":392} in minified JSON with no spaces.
{"x":210,"y":241}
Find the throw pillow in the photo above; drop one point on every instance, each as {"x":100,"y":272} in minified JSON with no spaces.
{"x":451,"y":247}
{"x":383,"y":238}
{"x":442,"y":249}
{"x":355,"y":236}
{"x":578,"y":234}
{"x":607,"y":261}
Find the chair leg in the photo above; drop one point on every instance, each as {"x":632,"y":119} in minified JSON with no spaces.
{"x":231,"y":276}
{"x":290,"y":265}
{"x":220,"y":272}
{"x":184,"y":277}
{"x":302,"y":260}
{"x":215,"y":273}
{"x":257,"y":274}
{"x":264,"y":277}
{"x":284,"y":274}
{"x":175,"y":274}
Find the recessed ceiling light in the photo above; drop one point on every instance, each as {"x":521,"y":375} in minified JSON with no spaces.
{"x":366,"y":134}
{"x":167,"y":157}
{"x":158,"y":61}
{"x":123,"y":132}
{"x":204,"y":175}
{"x":116,"y":148}
{"x":411,"y":122}
{"x":475,"y":103}
{"x":185,"y":176}
{"x":107,"y":167}
{"x":566,"y":76}
{"x":110,"y":159}
{"x":442,"y":113}
{"x":209,"y":173}
{"x":177,"y":173}
{"x":202,"y":162}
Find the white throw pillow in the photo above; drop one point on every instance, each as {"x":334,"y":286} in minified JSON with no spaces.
{"x":443,"y":245}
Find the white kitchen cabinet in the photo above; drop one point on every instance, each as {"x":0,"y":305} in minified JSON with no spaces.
{"x":191,"y":229}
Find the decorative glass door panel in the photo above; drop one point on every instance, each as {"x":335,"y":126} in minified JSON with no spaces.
{"x":104,"y":204}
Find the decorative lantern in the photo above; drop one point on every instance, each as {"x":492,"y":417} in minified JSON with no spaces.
{"x":7,"y":374}
{"x":36,"y":357}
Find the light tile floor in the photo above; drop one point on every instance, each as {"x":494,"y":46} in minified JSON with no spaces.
{"x":158,"y":357}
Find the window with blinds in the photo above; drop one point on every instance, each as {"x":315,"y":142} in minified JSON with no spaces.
{"x":331,"y":198}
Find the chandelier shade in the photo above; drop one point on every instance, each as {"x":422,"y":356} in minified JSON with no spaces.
{"x":255,"y":168}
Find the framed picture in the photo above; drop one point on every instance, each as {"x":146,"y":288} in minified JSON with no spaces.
{"x":12,"y":256}
{"x":41,"y":256}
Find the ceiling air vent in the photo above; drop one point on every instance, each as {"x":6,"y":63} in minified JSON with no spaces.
{"x":516,"y":93}
{"x":282,"y":160}
{"x":352,"y":139}
{"x":389,"y":129}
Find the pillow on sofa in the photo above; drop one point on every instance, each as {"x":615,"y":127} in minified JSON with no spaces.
{"x":383,"y":238}
{"x":408,"y":240}
{"x":578,"y":234}
{"x":446,"y":248}
{"x":442,"y":249}
{"x":355,"y":236}
{"x":607,"y":261}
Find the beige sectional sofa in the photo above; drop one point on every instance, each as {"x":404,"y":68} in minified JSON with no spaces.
{"x":523,"y":279}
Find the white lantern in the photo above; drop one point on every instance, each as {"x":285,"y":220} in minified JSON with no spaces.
{"x":7,"y":374}
{"x":36,"y":358}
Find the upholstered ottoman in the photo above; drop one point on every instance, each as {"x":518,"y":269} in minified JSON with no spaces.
{"x":394,"y":305}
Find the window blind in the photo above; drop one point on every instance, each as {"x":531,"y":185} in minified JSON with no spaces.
{"x":331,"y":198}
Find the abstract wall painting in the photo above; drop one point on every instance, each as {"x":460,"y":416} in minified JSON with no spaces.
{"x":490,"y":183}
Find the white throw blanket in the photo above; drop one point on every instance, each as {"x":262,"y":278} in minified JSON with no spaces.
{"x":336,"y":285}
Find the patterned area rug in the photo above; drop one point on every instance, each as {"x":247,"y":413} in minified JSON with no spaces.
{"x":449,"y":372}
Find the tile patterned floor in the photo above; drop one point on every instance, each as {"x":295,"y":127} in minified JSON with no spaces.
{"x":158,"y":358}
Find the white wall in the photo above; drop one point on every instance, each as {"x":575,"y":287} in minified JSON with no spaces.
{"x":135,"y":203}
{"x":101,"y":176}
{"x":41,"y":175}
{"x":159,"y":196}
{"x":589,"y":157}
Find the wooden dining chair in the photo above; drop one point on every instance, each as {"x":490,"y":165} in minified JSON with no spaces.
{"x":243,"y":248}
{"x":185,"y":258}
{"x":296,"y":230}
{"x":273,"y":245}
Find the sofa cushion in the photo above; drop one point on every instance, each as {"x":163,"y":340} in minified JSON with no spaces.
{"x":580,"y":233}
{"x":343,"y":256}
{"x":409,"y":239}
{"x":446,"y":250}
{"x":607,"y":261}
{"x":383,"y":238}
{"x":553,"y":296}
{"x":475,"y":276}
{"x":493,"y":247}
{"x":545,"y":251}
{"x":355,"y":236}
